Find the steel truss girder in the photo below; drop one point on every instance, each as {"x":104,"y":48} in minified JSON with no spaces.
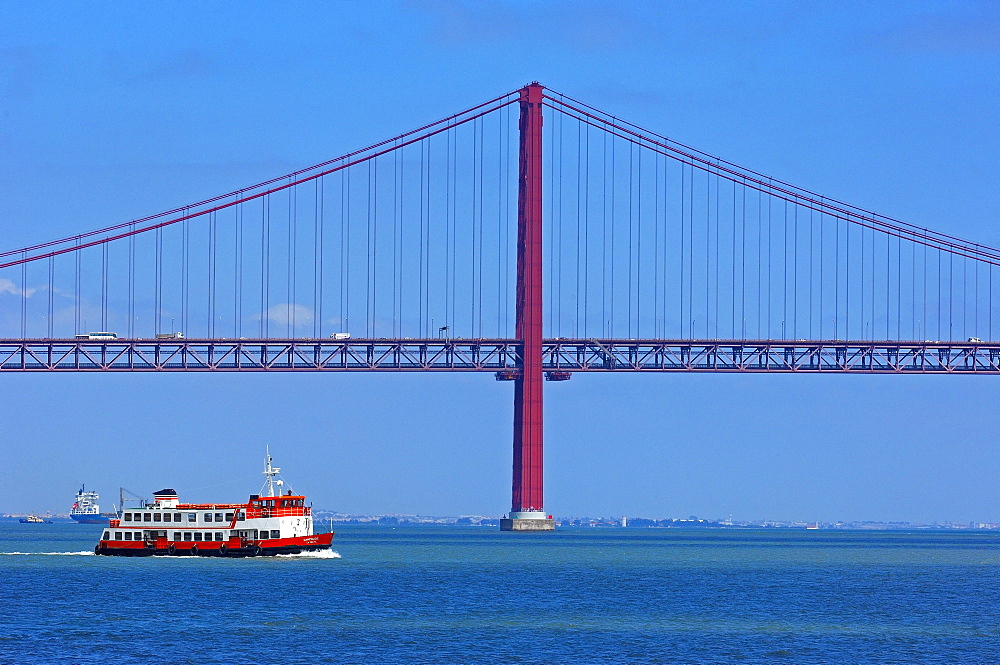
{"x":491,"y":355}
{"x":853,"y":357}
{"x":255,"y":355}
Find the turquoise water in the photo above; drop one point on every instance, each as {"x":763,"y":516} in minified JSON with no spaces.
{"x":461,"y":595}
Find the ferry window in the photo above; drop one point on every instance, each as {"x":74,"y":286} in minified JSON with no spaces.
{"x":177,"y":517}
{"x":107,"y":536}
{"x":128,"y":535}
{"x":187,"y":535}
{"x":177,"y":535}
{"x":276,"y":534}
{"x":218,"y":535}
{"x":218,"y":517}
{"x":192,"y":517}
{"x":156,"y":517}
{"x":128,"y":517}
{"x":240,"y":517}
{"x":255,"y":534}
{"x":118,"y":535}
{"x":229,"y":517}
{"x":208,"y":517}
{"x":147,"y":517}
{"x":197,"y":535}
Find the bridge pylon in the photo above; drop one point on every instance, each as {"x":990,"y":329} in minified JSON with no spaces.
{"x":527,"y":512}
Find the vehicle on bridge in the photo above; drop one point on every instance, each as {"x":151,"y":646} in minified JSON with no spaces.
{"x":98,"y":336}
{"x":267,"y":524}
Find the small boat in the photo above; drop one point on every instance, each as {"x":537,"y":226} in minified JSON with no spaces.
{"x":34,"y":519}
{"x":268,"y":523}
{"x":86,"y":510}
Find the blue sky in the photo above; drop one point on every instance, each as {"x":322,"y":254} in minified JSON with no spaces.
{"x":112,"y":111}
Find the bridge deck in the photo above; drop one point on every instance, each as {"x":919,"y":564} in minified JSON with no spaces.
{"x":491,"y":355}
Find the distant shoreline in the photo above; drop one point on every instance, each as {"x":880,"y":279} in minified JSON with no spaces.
{"x":323,"y":518}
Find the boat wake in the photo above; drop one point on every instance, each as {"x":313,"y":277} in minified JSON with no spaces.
{"x":47,"y":554}
{"x":320,"y":554}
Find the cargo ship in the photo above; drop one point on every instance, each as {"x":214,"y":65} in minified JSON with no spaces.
{"x":269,"y":523}
{"x":86,"y":510}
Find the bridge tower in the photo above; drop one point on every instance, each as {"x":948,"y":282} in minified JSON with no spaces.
{"x":527,"y":513}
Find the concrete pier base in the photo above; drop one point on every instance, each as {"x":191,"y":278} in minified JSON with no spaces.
{"x":528,"y":521}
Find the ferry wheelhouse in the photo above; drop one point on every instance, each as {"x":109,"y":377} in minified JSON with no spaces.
{"x":267,"y":524}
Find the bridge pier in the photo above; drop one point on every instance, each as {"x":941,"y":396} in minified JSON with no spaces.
{"x":527,"y":513}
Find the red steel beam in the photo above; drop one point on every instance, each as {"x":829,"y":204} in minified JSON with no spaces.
{"x":527,"y":485}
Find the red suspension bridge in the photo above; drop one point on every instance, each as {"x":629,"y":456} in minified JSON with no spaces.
{"x":532,"y":236}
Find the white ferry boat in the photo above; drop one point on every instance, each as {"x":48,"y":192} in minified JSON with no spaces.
{"x":268,"y":523}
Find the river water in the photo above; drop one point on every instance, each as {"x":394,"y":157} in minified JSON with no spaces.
{"x":475,"y":595}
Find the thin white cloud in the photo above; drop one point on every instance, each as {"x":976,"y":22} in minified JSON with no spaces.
{"x":8,"y":286}
{"x":287,"y":313}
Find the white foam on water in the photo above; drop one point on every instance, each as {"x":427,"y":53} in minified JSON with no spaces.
{"x":88,"y":553}
{"x":317,"y":554}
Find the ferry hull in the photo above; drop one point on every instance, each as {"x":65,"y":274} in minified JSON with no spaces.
{"x":235,"y":548}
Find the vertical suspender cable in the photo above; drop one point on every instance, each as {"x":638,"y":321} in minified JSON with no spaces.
{"x":266,"y":253}
{"x":638,"y":236}
{"x":760,"y":259}
{"x":131,"y":282}
{"x":318,"y":273}
{"x":211,"y":273}
{"x":24,"y":292}
{"x":447,"y":233}
{"x":631,"y":242}
{"x":293,"y":213}
{"x":238,"y":275}
{"x":482,"y":167}
{"x":874,"y":277}
{"x":847,"y":280}
{"x":604,"y":234}
{"x":795,"y":269}
{"x":665,"y":304}
{"x":500,"y":208}
{"x":472,"y":235}
{"x":681,"y":259}
{"x":185,"y":265}
{"x":52,"y":268}
{"x":611,"y":253}
{"x":732,"y":265}
{"x":345,"y":243}
{"x":784,"y":273}
{"x":770,"y":225}
{"x":395,"y":226}
{"x":579,"y":201}
{"x":691,"y":235}
{"x":656,"y":247}
{"x":104,"y":289}
{"x":402,"y":227}
{"x":708,"y":251}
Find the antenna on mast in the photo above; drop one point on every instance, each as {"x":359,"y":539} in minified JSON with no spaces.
{"x":269,"y":473}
